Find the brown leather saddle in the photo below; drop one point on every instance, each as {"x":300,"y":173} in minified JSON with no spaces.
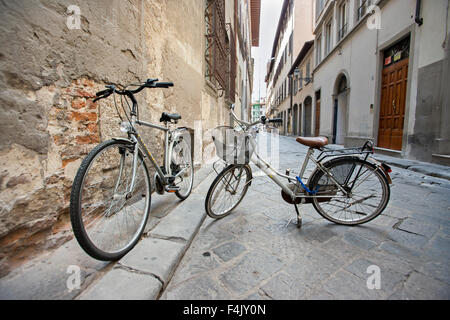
{"x":313,"y":142}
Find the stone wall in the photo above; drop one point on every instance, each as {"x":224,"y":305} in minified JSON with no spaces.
{"x":48,"y":122}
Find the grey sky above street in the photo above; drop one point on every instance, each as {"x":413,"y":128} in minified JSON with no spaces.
{"x":270,"y":14}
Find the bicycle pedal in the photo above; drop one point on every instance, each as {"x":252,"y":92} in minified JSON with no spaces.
{"x":172,"y":189}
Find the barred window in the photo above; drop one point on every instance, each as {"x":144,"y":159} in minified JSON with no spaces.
{"x":219,"y":54}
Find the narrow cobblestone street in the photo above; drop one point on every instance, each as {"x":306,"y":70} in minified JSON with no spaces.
{"x":255,"y":253}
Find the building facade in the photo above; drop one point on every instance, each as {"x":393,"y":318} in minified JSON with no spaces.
{"x":48,"y":121}
{"x":294,"y":29}
{"x":381,"y":73}
{"x":302,"y":92}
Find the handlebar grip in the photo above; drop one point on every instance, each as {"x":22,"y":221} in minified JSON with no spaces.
{"x":163,"y":84}
{"x":100,"y":93}
{"x":276,"y":120}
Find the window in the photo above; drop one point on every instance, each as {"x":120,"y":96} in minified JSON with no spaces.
{"x":308,"y":72}
{"x":328,"y":38}
{"x":318,"y":49}
{"x":320,"y":4}
{"x":301,"y":79}
{"x":362,"y":6}
{"x":289,"y":86}
{"x":217,"y":43}
{"x":343,"y":24}
{"x":290,"y":44}
{"x":286,"y":84}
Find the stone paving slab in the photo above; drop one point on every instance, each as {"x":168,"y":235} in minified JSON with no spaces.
{"x":157,"y":257}
{"x":119,"y":284}
{"x":140,"y":274}
{"x":182,"y":223}
{"x":46,"y":277}
{"x":204,"y":288}
{"x":250,"y":270}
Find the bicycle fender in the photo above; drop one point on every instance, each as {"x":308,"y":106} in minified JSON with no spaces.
{"x":384,"y":168}
{"x":141,"y":152}
{"x":180,"y":132}
{"x":123,"y":139}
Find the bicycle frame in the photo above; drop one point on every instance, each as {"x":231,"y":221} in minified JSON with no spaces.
{"x":169,"y":138}
{"x":273,"y":174}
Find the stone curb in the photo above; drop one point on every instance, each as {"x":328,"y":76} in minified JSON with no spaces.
{"x":146,"y":270}
{"x":429,"y":169}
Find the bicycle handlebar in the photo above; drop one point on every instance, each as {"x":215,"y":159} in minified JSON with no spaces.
{"x":150,"y":83}
{"x":263,"y":119}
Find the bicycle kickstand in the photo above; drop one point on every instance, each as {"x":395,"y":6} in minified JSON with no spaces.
{"x":299,"y":217}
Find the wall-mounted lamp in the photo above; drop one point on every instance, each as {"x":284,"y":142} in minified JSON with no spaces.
{"x":297,"y":72}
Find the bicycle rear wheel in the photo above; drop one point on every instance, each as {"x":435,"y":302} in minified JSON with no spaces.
{"x":227,"y":190}
{"x":107,"y":219}
{"x":368,"y":187}
{"x":181,"y":164}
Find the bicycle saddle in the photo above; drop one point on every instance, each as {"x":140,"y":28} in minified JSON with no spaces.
{"x":169,"y":116}
{"x":313,"y":142}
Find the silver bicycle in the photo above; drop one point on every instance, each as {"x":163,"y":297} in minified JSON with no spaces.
{"x":346,"y":187}
{"x":111,"y":192}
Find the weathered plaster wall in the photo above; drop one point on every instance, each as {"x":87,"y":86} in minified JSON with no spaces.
{"x":48,"y":122}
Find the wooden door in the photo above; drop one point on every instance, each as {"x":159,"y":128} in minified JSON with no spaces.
{"x":317,"y":127}
{"x":392,"y":106}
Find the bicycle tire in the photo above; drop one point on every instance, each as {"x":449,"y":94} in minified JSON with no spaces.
{"x":191,"y":170}
{"x":76,"y":216}
{"x":214,"y":185}
{"x":341,"y":162}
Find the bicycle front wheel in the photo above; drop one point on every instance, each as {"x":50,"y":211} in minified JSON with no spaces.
{"x":227,"y":190}
{"x":108,"y":217}
{"x":367,"y":187}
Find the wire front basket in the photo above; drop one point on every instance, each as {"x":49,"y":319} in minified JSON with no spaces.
{"x":232,"y":146}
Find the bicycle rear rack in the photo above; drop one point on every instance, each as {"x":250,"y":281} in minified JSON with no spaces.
{"x":365,"y":150}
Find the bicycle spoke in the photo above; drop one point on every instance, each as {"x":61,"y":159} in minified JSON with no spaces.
{"x":228,"y":191}
{"x":117,"y":220}
{"x":365,"y":200}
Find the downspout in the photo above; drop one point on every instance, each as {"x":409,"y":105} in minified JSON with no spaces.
{"x":291,"y":94}
{"x":418,"y":19}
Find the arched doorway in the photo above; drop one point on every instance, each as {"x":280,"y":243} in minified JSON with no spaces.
{"x":340,"y":109}
{"x":307,"y":105}
{"x":295,"y":120}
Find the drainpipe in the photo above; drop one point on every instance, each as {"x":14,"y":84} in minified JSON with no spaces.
{"x":418,"y":19}
{"x":291,"y":94}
